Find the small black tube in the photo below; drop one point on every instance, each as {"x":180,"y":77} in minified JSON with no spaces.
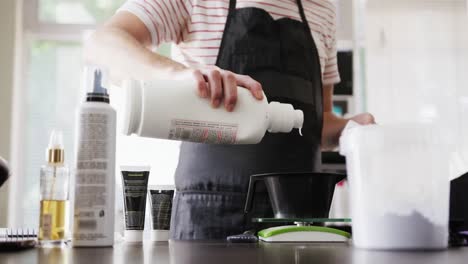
{"x":135,"y":186}
{"x":161,"y":208}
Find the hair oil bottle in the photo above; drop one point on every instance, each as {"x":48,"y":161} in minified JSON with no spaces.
{"x":54,"y":185}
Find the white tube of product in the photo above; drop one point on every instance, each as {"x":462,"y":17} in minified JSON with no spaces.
{"x":94,"y":200}
{"x":173,"y":110}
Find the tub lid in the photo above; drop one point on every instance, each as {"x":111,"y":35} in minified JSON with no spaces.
{"x":372,"y":138}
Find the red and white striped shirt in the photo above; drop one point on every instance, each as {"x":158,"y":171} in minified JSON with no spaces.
{"x":197,"y":26}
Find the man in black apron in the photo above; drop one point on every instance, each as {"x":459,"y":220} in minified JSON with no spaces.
{"x":212,"y":180}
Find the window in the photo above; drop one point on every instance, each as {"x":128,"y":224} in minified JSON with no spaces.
{"x":87,"y":12}
{"x":50,"y":92}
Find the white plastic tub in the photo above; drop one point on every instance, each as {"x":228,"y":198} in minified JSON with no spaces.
{"x":399,"y":184}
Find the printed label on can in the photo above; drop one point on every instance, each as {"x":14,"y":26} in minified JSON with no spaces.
{"x":203,"y":132}
{"x":92,"y":165}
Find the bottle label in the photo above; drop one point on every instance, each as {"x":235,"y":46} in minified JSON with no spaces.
{"x":46,"y":227}
{"x":91,"y":190}
{"x":203,"y":132}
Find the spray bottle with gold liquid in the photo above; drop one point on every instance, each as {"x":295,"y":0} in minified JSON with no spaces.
{"x":53,"y":224}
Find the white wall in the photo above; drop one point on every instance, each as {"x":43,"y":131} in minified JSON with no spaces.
{"x":7,"y":29}
{"x":417,"y":66}
{"x":461,"y":164}
{"x":344,"y":20}
{"x":416,"y":58}
{"x":462,"y":49}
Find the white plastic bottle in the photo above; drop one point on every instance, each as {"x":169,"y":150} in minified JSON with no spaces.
{"x":94,"y":201}
{"x":173,"y":110}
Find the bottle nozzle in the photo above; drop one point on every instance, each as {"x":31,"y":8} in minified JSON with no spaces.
{"x":298,"y":119}
{"x":55,"y":151}
{"x":283,"y":118}
{"x":97,"y":83}
{"x":95,"y":80}
{"x":56,"y":140}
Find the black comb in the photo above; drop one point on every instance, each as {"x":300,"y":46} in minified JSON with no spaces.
{"x":17,"y":239}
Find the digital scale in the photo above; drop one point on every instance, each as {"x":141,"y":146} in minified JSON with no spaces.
{"x":302,"y":201}
{"x":303,"y":230}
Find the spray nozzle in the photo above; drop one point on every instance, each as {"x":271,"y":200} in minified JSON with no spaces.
{"x":97,"y":84}
{"x":95,"y":80}
{"x":56,"y":140}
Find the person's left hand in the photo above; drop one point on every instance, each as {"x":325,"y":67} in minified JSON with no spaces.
{"x":334,"y":125}
{"x":364,"y":119}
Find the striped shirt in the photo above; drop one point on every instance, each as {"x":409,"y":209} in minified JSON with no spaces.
{"x":196,"y":26}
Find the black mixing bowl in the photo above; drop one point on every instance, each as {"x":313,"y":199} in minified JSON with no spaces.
{"x":297,"y":195}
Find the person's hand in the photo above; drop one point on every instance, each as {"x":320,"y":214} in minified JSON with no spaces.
{"x":334,"y":125}
{"x":364,"y":119}
{"x":220,"y":86}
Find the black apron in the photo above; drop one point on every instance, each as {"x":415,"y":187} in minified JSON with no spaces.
{"x":212,"y":180}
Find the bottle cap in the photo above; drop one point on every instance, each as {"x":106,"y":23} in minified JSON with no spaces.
{"x":95,"y":79}
{"x":283,"y":118}
{"x":133,"y":236}
{"x":298,"y":119}
{"x":55,"y":153}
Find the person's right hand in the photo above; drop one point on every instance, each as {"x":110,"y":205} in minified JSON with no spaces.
{"x":220,"y":86}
